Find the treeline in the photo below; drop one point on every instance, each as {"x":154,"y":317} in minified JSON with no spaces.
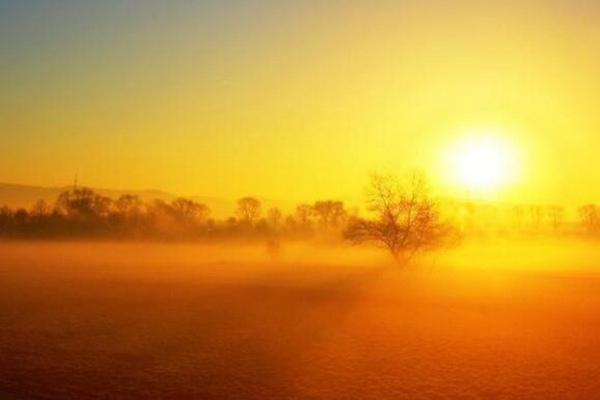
{"x":83,"y":213}
{"x":489,"y":219}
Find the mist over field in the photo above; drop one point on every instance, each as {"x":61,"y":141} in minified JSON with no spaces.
{"x":299,"y":200}
{"x":109,"y":320}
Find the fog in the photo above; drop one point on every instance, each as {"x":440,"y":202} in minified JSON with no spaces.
{"x":109,"y":320}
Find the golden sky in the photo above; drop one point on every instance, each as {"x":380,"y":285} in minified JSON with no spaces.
{"x":296,"y":99}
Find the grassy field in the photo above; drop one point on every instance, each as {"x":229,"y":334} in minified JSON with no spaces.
{"x":142,"y":321}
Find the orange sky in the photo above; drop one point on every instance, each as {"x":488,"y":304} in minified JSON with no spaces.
{"x":293,"y":100}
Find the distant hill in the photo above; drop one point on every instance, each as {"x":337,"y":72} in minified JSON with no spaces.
{"x":14,"y":195}
{"x":24,"y":196}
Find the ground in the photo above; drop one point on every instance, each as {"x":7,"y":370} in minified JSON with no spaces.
{"x":162,"y":321}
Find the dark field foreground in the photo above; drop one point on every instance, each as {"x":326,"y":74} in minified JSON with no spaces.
{"x":116,"y":321}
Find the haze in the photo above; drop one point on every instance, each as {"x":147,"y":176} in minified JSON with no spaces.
{"x":298,"y":199}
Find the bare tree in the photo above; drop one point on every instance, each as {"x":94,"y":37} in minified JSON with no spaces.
{"x":248,"y":209}
{"x":189,"y":211}
{"x":517,"y":214}
{"x":83,"y":203}
{"x":6,"y":215}
{"x":274,"y":217}
{"x":406,"y":221}
{"x":556,"y":214}
{"x":590,"y":218}
{"x":330,"y":214}
{"x":303,"y":216}
{"x":40,"y":208}
{"x":160,"y":216}
{"x":537,"y":217}
{"x":129,"y":205}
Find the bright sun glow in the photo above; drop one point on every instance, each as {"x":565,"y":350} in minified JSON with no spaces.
{"x":483,"y":163}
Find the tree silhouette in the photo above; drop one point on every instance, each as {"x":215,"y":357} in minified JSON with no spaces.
{"x":248,"y":209}
{"x":190,"y":211}
{"x":590,"y":218}
{"x":303,"y":217}
{"x":536,"y":213}
{"x":274,"y":217}
{"x":406,"y":221}
{"x":556,"y":214}
{"x":129,"y":205}
{"x":330,"y":214}
{"x":40,"y":209}
{"x":83,"y":203}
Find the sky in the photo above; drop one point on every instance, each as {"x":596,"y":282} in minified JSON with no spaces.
{"x":296,"y":100}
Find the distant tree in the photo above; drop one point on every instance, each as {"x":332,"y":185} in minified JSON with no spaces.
{"x":330,"y":214}
{"x":40,"y":209}
{"x":248,"y":209}
{"x":274,"y":217}
{"x":189,"y":211}
{"x":83,"y":203}
{"x":127,"y":216}
{"x":290,"y":223}
{"x":5,"y":220}
{"x":406,"y":221}
{"x":160,"y":215}
{"x":5,"y":211}
{"x":517,"y":213}
{"x":556,"y":214}
{"x":21,"y":218}
{"x":590,"y":218}
{"x":536,"y":213}
{"x":303,"y":216}
{"x":231,"y":221}
{"x":129,"y":205}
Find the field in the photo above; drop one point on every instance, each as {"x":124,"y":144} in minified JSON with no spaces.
{"x":166,"y":321}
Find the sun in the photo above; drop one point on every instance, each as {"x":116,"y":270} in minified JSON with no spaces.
{"x":483,"y":162}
